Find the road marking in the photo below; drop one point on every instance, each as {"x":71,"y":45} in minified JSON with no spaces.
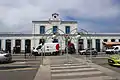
{"x":101,"y":57}
{"x":19,"y":69}
{"x":21,"y":62}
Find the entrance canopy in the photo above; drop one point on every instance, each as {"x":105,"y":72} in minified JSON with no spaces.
{"x":111,"y":43}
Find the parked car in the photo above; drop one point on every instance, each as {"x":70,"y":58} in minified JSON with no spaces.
{"x":88,"y":51}
{"x":113,"y":50}
{"x":114,"y":60}
{"x":47,"y":48}
{"x":5,"y":57}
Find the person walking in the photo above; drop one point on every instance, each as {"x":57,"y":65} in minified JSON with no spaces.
{"x":14,"y":50}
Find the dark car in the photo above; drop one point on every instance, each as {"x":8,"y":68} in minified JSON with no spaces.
{"x":88,"y":51}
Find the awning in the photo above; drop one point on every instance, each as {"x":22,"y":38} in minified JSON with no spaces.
{"x":111,"y":43}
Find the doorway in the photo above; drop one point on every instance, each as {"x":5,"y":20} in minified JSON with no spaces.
{"x":8,"y":46}
{"x":98,"y":45}
{"x":27,"y":45}
{"x":80,"y":44}
{"x":18,"y":46}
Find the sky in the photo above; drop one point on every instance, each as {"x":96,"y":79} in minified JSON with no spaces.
{"x":100,"y":16}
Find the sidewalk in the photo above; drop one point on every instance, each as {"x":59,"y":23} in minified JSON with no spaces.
{"x":20,"y":54}
{"x":44,"y":71}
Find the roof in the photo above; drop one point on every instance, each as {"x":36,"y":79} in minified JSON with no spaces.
{"x":62,"y":22}
{"x":105,"y":34}
{"x":31,"y":35}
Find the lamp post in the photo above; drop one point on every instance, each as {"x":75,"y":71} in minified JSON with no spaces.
{"x":90,"y":44}
{"x":90,"y":49}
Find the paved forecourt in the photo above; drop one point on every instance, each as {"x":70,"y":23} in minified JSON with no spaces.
{"x":75,"y":70}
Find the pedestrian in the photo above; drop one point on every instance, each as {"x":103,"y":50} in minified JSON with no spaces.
{"x":14,"y":50}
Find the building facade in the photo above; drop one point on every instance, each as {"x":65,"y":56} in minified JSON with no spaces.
{"x":44,"y":30}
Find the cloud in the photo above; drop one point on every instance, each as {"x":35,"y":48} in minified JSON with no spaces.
{"x":17,"y":15}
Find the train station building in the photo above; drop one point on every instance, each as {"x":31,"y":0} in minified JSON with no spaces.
{"x":42,"y":31}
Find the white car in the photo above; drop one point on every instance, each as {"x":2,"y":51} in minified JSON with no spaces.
{"x":5,"y":57}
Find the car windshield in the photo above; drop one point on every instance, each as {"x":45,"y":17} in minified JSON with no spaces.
{"x":110,"y":48}
{"x":90,"y":49}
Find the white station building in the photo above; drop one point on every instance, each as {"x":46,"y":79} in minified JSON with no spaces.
{"x":44,"y":30}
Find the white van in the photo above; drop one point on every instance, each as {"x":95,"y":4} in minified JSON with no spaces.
{"x":46,"y":49}
{"x":112,"y":50}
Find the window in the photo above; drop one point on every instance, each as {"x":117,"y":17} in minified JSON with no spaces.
{"x":55,"y":41}
{"x":89,"y":43}
{"x":42,"y":29}
{"x":54,"y":29}
{"x":116,"y":48}
{"x":119,"y":40}
{"x":112,"y":40}
{"x":67,"y":29}
{"x":39,"y":47}
{"x":105,"y":40}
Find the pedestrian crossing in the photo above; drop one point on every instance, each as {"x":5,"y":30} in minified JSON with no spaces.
{"x":97,"y":56}
{"x":77,"y":72}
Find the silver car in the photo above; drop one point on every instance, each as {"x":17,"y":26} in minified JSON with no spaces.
{"x":88,"y":51}
{"x":5,"y":57}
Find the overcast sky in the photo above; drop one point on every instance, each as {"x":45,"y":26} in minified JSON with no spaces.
{"x":92,"y":15}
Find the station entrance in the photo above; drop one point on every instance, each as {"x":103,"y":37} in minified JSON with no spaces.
{"x":28,"y":46}
{"x":8,"y":46}
{"x":18,"y":46}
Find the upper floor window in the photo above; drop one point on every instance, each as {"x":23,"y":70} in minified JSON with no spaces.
{"x":67,"y":29}
{"x":42,"y":29}
{"x":55,"y":29}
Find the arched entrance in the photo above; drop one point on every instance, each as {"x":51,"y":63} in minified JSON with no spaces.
{"x":28,"y":45}
{"x":98,"y":45}
{"x":42,"y":41}
{"x":18,"y":46}
{"x":8,"y":45}
{"x":80,"y":44}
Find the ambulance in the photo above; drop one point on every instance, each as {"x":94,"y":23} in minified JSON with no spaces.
{"x":46,"y":49}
